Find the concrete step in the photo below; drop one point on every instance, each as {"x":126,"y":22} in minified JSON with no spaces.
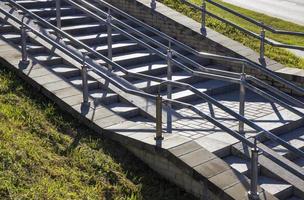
{"x":117,"y":47}
{"x":211,"y":87}
{"x":276,"y":187}
{"x":104,"y":96}
{"x":37,"y":3}
{"x":12,"y":37}
{"x":69,"y":20}
{"x":77,"y":82}
{"x":133,"y":58}
{"x":294,"y":197}
{"x":280,"y":189}
{"x":5,"y":28}
{"x":49,"y":12}
{"x":80,"y":29}
{"x":124,"y":109}
{"x":48,"y":59}
{"x":300,"y":162}
{"x":66,"y":70}
{"x":97,"y":38}
{"x":152,"y":86}
{"x":294,"y":138}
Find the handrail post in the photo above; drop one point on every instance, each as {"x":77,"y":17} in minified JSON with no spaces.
{"x":169,"y":89}
{"x":153,"y":4}
{"x":84,"y":74}
{"x":242,"y":99}
{"x":203,"y":28}
{"x":58,"y":13}
{"x":24,"y":57}
{"x":159,"y":129}
{"x":109,"y":38}
{"x":253,"y":193}
{"x":262,"y":46}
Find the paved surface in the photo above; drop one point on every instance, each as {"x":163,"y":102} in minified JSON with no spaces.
{"x":290,"y":10}
{"x":277,"y":8}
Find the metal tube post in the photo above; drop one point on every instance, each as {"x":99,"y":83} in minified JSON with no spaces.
{"x":253,"y":193}
{"x":159,"y":129}
{"x":58,"y":13}
{"x":84,"y":74}
{"x":24,"y":57}
{"x":203,"y":28}
{"x":262,"y":46}
{"x":169,"y":90}
{"x":242,"y":99}
{"x":153,"y":4}
{"x":109,"y":38}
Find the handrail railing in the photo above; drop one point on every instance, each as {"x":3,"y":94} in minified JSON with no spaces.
{"x":189,"y":49}
{"x":261,"y":36}
{"x":204,"y":55}
{"x":173,"y":83}
{"x":107,"y":75}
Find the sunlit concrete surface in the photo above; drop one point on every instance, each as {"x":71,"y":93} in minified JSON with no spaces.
{"x":290,"y":10}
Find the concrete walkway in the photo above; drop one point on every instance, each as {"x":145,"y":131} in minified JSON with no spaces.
{"x":281,"y":9}
{"x":289,"y":10}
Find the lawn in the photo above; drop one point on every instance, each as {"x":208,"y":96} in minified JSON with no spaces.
{"x":45,"y":154}
{"x":280,"y":55}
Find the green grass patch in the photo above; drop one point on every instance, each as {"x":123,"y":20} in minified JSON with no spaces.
{"x":278,"y":54}
{"x":45,"y":154}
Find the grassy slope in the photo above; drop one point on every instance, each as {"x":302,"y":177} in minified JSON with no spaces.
{"x":47,"y":155}
{"x":280,"y":55}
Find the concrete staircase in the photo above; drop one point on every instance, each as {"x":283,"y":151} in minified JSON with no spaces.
{"x":135,"y":58}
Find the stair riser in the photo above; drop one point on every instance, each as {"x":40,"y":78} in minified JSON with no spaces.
{"x":70,"y":22}
{"x":130,"y":114}
{"x":102,"y":41}
{"x":85,"y":30}
{"x":139,"y":60}
{"x":52,"y":13}
{"x":215,"y":91}
{"x":70,"y":74}
{"x":155,"y":88}
{"x":108,"y":100}
{"x":120,"y":50}
{"x":37,"y":4}
{"x":5,"y":29}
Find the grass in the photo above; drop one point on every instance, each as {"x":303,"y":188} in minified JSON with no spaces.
{"x":278,"y":54}
{"x":45,"y":154}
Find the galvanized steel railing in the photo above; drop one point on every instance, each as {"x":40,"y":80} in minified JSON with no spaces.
{"x":263,"y":27}
{"x":83,"y":59}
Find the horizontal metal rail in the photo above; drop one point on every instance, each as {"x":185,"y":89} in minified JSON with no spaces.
{"x":184,"y":58}
{"x":173,"y":83}
{"x":206,"y":55}
{"x":108,"y":76}
{"x":261,"y":36}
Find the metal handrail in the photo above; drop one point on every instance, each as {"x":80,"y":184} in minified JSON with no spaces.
{"x":205,"y":55}
{"x":263,"y":27}
{"x":174,"y":83}
{"x":189,"y":49}
{"x":108,"y":76}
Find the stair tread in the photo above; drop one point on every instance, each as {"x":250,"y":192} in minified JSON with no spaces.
{"x":237,"y":163}
{"x":115,"y":45}
{"x":122,"y":107}
{"x":145,"y":67}
{"x":273,"y":186}
{"x":175,"y":77}
{"x":127,"y":56}
{"x":294,"y":138}
{"x":99,"y":93}
{"x":202,"y":86}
